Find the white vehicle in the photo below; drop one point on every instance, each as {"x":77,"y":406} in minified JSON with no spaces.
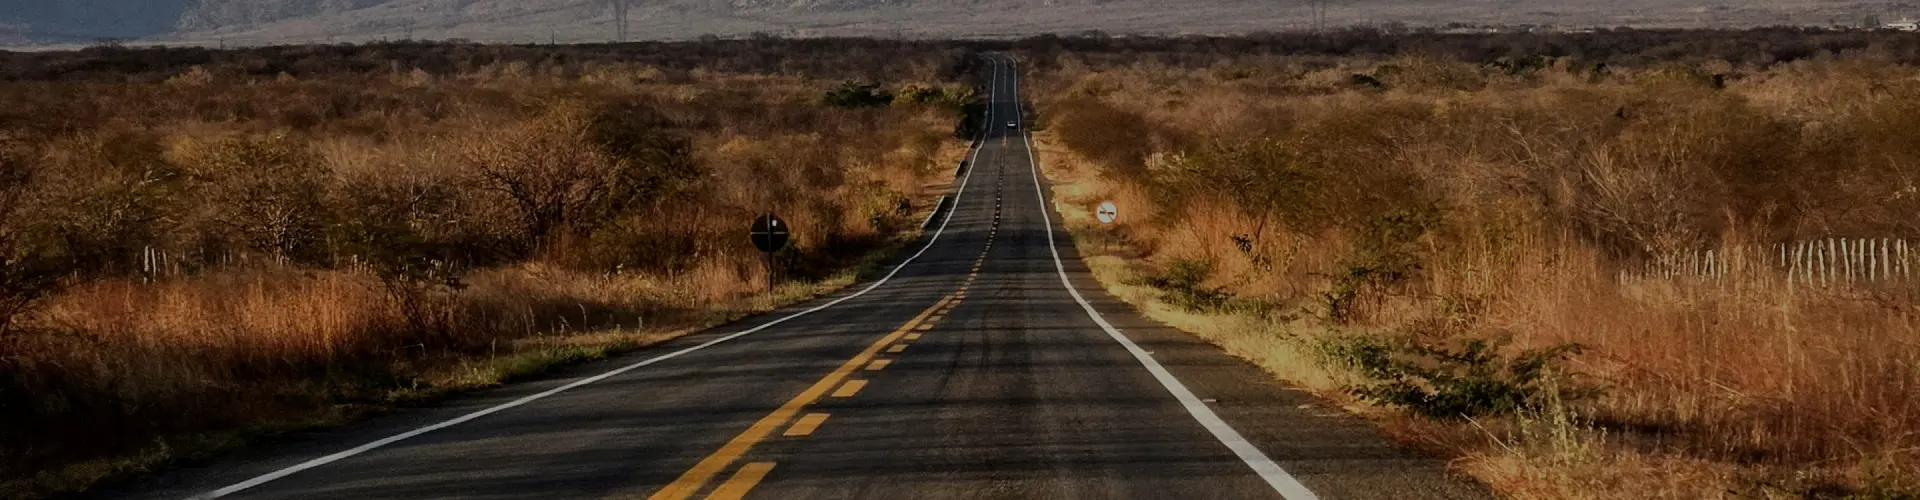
{"x":1013,"y":124}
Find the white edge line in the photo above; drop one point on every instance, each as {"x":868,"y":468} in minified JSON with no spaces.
{"x":979,"y":143}
{"x":1283,"y":483}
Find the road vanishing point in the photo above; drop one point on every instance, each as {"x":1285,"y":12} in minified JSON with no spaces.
{"x":984,"y":362}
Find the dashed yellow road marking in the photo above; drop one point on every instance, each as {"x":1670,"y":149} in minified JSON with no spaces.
{"x":742,"y":481}
{"x":806,"y":425}
{"x":910,"y":336}
{"x":924,"y":327}
{"x":879,"y":364}
{"x":897,"y":348}
{"x":697,"y":477}
{"x":850,"y":388}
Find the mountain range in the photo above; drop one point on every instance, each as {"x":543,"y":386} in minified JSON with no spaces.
{"x":296,"y":21}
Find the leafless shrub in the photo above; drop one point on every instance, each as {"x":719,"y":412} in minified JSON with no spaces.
{"x":267,"y":191}
{"x":323,"y":235}
{"x":1503,"y":201}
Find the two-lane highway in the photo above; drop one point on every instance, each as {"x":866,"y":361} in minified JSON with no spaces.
{"x":987,"y":364}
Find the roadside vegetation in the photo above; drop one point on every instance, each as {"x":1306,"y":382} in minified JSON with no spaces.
{"x":202,"y":248}
{"x":1486,"y":248}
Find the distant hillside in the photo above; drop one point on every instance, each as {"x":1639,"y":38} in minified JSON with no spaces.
{"x":270,"y":21}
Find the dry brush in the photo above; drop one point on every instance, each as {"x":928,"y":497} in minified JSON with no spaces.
{"x":1450,"y":238}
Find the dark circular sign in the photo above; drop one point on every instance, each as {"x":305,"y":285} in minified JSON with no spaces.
{"x":769,"y":233}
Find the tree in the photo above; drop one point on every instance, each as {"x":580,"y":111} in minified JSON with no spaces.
{"x":858,"y":95}
{"x":269,"y":190}
{"x":580,"y":168}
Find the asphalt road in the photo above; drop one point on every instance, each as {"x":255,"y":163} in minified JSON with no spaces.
{"x":988,"y":365}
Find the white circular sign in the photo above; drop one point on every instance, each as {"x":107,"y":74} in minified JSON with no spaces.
{"x":1107,"y":212}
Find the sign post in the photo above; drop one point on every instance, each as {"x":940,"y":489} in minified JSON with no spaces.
{"x":1107,"y":213}
{"x":769,"y":234}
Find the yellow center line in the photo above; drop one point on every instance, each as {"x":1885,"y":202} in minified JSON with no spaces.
{"x":695,"y":478}
{"x":897,"y":348}
{"x":879,"y":364}
{"x":742,"y":482}
{"x":806,"y":425}
{"x":852,"y":387}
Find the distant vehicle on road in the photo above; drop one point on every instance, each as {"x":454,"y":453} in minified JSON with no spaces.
{"x":1013,"y":124}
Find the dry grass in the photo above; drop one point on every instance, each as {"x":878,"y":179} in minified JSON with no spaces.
{"x":1537,"y":190}
{"x":226,"y":258}
{"x":209,"y":363}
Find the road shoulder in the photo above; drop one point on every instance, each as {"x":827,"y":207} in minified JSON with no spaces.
{"x":1334,"y":453}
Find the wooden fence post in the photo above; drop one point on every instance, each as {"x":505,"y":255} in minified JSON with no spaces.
{"x":1846,"y":260}
{"x":1793,"y":266}
{"x":1886,"y":267}
{"x":1783,"y":264}
{"x":1826,"y":262}
{"x":1905,"y":271}
{"x":1860,"y":258}
{"x":1868,"y":266}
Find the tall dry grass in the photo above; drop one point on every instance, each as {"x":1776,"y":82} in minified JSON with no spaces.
{"x":1432,"y":202}
{"x":201,"y":255}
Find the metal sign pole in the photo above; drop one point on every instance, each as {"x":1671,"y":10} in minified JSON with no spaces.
{"x":1106,"y":213}
{"x":769,"y":234}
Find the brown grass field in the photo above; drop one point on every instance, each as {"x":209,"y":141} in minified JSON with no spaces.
{"x":1439,"y":243}
{"x":203,"y":254}
{"x":207,"y":248}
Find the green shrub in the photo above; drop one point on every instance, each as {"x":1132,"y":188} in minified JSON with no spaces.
{"x":858,"y":95}
{"x":266,"y":192}
{"x":1183,"y":284}
{"x":1473,"y":379}
{"x":1365,"y":80}
{"x":1389,"y":254}
{"x":951,"y":97}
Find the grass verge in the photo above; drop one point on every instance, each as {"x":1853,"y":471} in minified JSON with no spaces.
{"x":1550,"y":449}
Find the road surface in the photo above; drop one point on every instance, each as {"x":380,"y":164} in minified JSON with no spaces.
{"x":988,"y":364}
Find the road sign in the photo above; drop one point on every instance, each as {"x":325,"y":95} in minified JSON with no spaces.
{"x":769,"y":233}
{"x":1107,"y":212}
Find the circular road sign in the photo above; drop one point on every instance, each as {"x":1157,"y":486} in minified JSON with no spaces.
{"x":769,"y":233}
{"x":1107,"y":212}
